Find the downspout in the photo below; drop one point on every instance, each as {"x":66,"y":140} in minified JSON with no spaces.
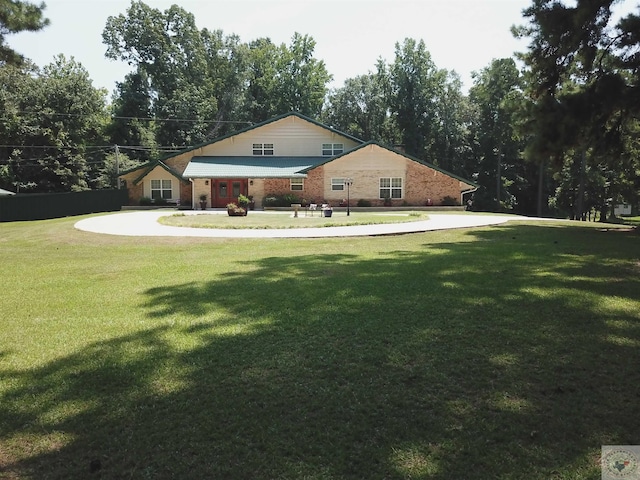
{"x":462,"y":194}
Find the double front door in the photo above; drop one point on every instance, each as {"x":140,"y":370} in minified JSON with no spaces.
{"x":224,"y":191}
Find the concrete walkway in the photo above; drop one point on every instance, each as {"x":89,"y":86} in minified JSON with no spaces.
{"x":145,"y":224}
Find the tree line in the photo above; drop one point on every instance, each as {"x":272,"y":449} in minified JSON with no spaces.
{"x":557,"y":135}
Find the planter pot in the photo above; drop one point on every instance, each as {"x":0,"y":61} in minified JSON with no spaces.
{"x":328,"y":213}
{"x":234,"y":213}
{"x":203,"y":205}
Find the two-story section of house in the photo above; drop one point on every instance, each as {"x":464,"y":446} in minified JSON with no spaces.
{"x":293,"y":154}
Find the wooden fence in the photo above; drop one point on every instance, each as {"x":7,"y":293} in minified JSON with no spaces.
{"x":40,"y":206}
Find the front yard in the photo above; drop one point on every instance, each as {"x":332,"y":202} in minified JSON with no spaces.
{"x":505,"y":352}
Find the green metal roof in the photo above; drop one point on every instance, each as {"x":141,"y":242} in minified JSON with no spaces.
{"x":250,"y":167}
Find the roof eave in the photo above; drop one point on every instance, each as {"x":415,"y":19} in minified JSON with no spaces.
{"x":161,"y":164}
{"x":414,"y":159}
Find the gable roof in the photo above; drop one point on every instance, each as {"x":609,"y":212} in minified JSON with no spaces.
{"x":414,"y":159}
{"x":277,"y":167}
{"x":150,"y":166}
{"x":262,"y":124}
{"x":260,"y":167}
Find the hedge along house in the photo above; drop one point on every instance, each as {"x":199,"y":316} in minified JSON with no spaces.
{"x":293,"y":154}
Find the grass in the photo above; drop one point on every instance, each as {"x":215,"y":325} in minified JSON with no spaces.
{"x":505,"y":352}
{"x":635,"y":221}
{"x":285,"y":220}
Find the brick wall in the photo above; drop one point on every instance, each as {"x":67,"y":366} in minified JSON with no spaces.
{"x":185,"y":193}
{"x":135,"y":192}
{"x":424,"y":183}
{"x":314,"y":186}
{"x":277,"y":186}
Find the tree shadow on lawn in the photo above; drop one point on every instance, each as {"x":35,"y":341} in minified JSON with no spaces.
{"x":458,"y":361}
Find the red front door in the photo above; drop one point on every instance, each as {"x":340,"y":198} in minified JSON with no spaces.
{"x":224,"y":191}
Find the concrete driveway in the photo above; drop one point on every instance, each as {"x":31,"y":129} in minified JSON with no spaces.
{"x":145,"y":224}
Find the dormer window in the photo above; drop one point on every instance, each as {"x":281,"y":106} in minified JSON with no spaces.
{"x":332,"y":149}
{"x":261,"y":149}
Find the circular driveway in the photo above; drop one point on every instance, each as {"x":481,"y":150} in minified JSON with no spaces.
{"x":145,"y":224}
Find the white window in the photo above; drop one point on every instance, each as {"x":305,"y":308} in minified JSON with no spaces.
{"x":337,"y":184}
{"x":391,"y":187}
{"x":297,"y":184}
{"x":263,"y":148}
{"x":330,"y":149}
{"x":161,"y":189}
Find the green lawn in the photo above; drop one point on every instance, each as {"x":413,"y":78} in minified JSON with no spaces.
{"x":507,"y":352}
{"x":285,"y":220}
{"x":631,"y":221}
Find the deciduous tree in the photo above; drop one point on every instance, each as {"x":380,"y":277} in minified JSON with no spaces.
{"x":416,"y":84}
{"x":302,"y":79}
{"x":56,"y":119}
{"x":361,"y":107}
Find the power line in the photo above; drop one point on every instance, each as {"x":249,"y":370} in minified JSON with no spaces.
{"x":120,"y":117}
{"x":156,"y":119}
{"x":96,"y":150}
{"x":131,"y":147}
{"x":56,"y":146}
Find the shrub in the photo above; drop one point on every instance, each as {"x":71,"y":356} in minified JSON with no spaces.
{"x":146,"y":201}
{"x":243,"y":201}
{"x":269,"y":201}
{"x":285,"y":200}
{"x":449,"y":201}
{"x":363,"y":203}
{"x":290,"y":198}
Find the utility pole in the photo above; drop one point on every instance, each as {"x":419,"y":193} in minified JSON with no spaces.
{"x":118,"y":166}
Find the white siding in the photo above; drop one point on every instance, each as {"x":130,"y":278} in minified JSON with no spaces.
{"x":290,"y":136}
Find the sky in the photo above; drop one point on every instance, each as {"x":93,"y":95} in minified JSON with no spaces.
{"x":350,"y":35}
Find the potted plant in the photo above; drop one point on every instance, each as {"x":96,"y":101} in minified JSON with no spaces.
{"x":327,"y":210}
{"x":203,"y":201}
{"x":244,"y":202}
{"x":234,"y":210}
{"x":252,"y":203}
{"x":387,"y":201}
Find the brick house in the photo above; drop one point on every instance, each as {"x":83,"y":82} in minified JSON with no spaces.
{"x":293,"y":154}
